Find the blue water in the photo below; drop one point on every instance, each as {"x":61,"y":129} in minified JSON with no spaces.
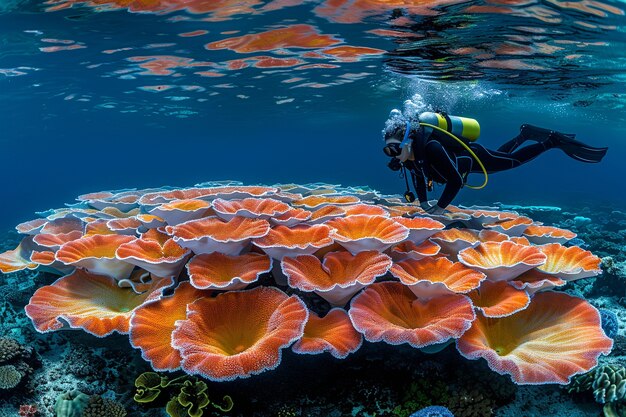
{"x":79,"y":120}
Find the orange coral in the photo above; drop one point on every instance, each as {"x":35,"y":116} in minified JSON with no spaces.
{"x":499,"y":299}
{"x":390,"y":312}
{"x":152,"y":324}
{"x":333,"y":333}
{"x":97,"y":255}
{"x":212,"y":234}
{"x":181,"y":211}
{"x":420,"y":228}
{"x":541,"y":235}
{"x":569,"y":263}
{"x":260,"y":208}
{"x":94,"y":303}
{"x":284,"y":241}
{"x":224,"y":272}
{"x":534,"y":280}
{"x":431,"y":277}
{"x":319,"y":201}
{"x":511,"y":227}
{"x":410,"y":250}
{"x":18,"y":258}
{"x":155,"y":252}
{"x":502,"y":261}
{"x":362,"y":232}
{"x":339,"y":277}
{"x":452,"y":241}
{"x":239,"y":333}
{"x":556,"y":337}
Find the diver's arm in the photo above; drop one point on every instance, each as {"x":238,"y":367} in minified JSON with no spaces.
{"x":441,"y":161}
{"x":420,"y":186}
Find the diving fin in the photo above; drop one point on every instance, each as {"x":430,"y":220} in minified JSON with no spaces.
{"x":529,"y":132}
{"x":576,"y":149}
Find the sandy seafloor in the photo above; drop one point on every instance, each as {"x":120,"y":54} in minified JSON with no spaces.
{"x":378,"y":380}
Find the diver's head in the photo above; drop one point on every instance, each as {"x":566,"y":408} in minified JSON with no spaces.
{"x":393,"y":140}
{"x":394,"y":133}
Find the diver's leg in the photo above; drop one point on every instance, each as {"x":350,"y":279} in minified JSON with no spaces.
{"x":495,"y":161}
{"x":529,"y":132}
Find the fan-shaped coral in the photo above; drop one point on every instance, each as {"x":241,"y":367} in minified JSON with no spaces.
{"x":18,"y":259}
{"x":224,"y":272}
{"x":499,"y":299}
{"x":291,"y":217}
{"x":319,"y":201}
{"x":390,"y":312}
{"x":88,"y":301}
{"x":362,"y":233}
{"x":238,"y":333}
{"x":54,"y":242}
{"x":541,"y":235}
{"x":535,"y":280}
{"x":181,"y":211}
{"x":420,"y":228}
{"x":511,"y":227}
{"x":152,"y":324}
{"x":214,"y":235}
{"x":284,"y":241}
{"x":502,"y":261}
{"x":452,"y":241}
{"x":431,"y":277}
{"x":569,"y":263}
{"x":339,"y":277}
{"x":155,"y":252}
{"x":332,"y":333}
{"x":556,"y":337}
{"x":255,"y":208}
{"x":410,"y":250}
{"x":97,"y":255}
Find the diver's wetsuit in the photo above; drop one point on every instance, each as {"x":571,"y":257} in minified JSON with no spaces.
{"x":451,"y":165}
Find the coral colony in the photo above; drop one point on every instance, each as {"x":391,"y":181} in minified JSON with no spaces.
{"x":216,"y":279}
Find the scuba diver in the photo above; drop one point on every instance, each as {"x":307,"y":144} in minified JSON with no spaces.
{"x":437,"y":147}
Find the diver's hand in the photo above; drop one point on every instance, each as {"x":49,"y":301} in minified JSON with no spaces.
{"x":435,"y":210}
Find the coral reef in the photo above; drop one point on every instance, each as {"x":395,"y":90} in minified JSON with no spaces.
{"x":103,"y":368}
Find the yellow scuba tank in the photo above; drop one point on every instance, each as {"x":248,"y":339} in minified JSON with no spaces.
{"x":463,"y":127}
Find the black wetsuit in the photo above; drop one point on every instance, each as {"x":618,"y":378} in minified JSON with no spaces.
{"x":451,"y":164}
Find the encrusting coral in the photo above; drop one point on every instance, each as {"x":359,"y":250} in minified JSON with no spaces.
{"x":378,"y":260}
